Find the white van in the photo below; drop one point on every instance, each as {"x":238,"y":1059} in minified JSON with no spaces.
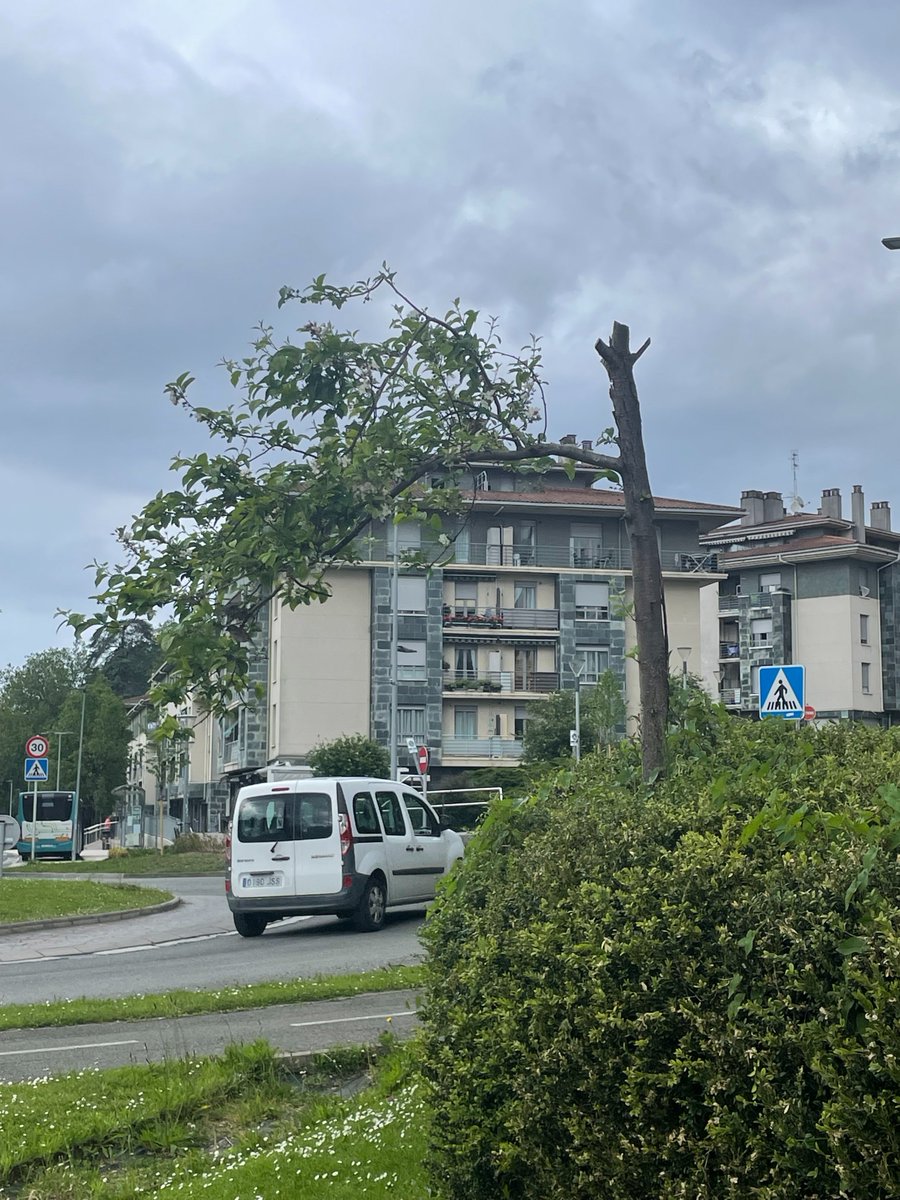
{"x":351,"y":847}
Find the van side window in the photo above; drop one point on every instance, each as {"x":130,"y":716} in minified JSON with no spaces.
{"x":264,"y":819}
{"x":424,"y":825}
{"x":364,"y":816}
{"x":391,"y":813}
{"x":314,"y":819}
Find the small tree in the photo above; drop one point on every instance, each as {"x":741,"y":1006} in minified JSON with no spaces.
{"x":603,"y":708}
{"x":548,"y":726}
{"x":351,"y":754}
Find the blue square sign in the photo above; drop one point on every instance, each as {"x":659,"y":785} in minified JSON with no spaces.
{"x":782,"y":691}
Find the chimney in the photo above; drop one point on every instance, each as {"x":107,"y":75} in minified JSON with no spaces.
{"x":880,"y":515}
{"x":773,"y":506}
{"x":832,"y":505}
{"x":858,"y":512}
{"x":753,"y":505}
{"x":587,"y":444}
{"x":568,"y":440}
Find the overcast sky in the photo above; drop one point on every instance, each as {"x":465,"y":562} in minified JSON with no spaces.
{"x":717,"y":174}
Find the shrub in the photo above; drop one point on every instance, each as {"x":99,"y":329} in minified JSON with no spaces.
{"x":352,"y":754}
{"x":689,"y":992}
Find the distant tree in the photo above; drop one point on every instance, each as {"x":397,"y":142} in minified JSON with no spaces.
{"x":547,"y":729}
{"x":603,"y":708}
{"x":126,"y":656}
{"x":352,"y":754}
{"x":105,"y":750}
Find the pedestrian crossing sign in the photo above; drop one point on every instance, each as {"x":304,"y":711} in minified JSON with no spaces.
{"x":36,"y":770}
{"x":782,"y":691}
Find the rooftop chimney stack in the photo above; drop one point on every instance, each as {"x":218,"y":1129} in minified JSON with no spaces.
{"x":773,"y":506}
{"x":587,"y":444}
{"x":754,"y":508}
{"x":832,"y":505}
{"x":858,"y":512}
{"x":880,"y":515}
{"x":568,"y":439}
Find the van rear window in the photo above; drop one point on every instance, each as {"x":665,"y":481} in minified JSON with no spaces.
{"x":278,"y":818}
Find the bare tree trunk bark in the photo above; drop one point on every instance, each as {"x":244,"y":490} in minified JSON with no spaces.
{"x":649,"y":602}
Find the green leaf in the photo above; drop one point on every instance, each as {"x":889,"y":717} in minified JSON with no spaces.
{"x":852,"y":945}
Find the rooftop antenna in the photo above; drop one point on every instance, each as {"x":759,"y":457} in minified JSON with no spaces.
{"x":797,"y":502}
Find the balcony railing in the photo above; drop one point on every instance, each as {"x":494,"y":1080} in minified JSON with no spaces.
{"x":501,"y":618}
{"x":729,"y":650}
{"x":470,"y":747}
{"x":501,"y":681}
{"x":592,"y":557}
{"x":729,"y":602}
{"x":730,"y":697}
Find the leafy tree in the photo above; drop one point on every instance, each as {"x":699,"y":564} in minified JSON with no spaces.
{"x":352,"y":754}
{"x":105,"y":750}
{"x":126,"y":656}
{"x":603,"y":708}
{"x":548,"y":726}
{"x":338,"y":432}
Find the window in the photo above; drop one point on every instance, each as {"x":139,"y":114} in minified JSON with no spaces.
{"x":593,"y":662}
{"x":866,"y":673}
{"x":273,"y":729}
{"x":313,"y":816}
{"x":411,"y":594}
{"x":525,"y":595}
{"x":520,"y":721}
{"x":591,"y":601}
{"x":864,"y":628}
{"x":465,"y":597}
{"x":275,"y":661}
{"x":761,"y":631}
{"x":524,"y":542}
{"x":409,"y":535}
{"x":465,"y":722}
{"x":586,"y":545}
{"x":391,"y":814}
{"x":770,"y":582}
{"x":411,"y":723}
{"x":462,"y":545}
{"x":423,"y":823}
{"x":364,"y":816}
{"x":411,"y":660}
{"x":465,"y":662}
{"x":267,"y":818}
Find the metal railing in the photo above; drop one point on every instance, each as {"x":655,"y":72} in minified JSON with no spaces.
{"x":592,"y":557}
{"x":472,"y":747}
{"x":501,"y":681}
{"x":501,"y":618}
{"x":729,"y":650}
{"x":730,"y":697}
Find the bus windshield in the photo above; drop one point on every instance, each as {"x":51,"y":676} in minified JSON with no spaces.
{"x":51,"y":806}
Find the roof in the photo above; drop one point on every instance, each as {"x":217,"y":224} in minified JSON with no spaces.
{"x":600,"y":498}
{"x":801,"y":545}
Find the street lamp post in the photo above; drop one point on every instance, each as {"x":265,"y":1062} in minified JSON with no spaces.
{"x":576,"y":747}
{"x":77,"y":805}
{"x":60,"y":733}
{"x":685,"y":652}
{"x":395,"y":634}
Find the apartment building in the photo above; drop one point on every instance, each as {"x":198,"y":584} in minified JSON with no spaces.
{"x":527,"y":595}
{"x":821,"y":589}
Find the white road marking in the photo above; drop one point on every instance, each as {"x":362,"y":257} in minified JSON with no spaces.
{"x":347,"y":1020}
{"x":56,"y":1049}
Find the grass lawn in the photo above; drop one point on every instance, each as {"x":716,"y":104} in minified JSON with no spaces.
{"x":241,"y":1125}
{"x":34,"y":900}
{"x":185,"y":1003}
{"x":136,"y":862}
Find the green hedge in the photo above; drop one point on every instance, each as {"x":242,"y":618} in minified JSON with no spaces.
{"x":689,"y":992}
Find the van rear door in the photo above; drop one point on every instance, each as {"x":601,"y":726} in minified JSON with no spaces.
{"x":318,"y":866}
{"x":262,"y":847}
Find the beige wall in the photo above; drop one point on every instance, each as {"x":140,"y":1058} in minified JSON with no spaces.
{"x":320,"y":655}
{"x":827,"y":643}
{"x":487,"y":710}
{"x":691,"y":622}
{"x":506,"y":584}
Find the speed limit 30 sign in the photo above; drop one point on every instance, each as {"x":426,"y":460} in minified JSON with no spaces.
{"x":37,"y":746}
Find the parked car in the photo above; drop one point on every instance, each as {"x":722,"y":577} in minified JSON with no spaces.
{"x":352,"y":847}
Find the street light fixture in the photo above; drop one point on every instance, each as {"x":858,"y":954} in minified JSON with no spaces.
{"x":685,"y":652}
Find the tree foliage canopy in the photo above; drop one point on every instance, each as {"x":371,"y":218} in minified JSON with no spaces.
{"x":329,"y":434}
{"x":351,"y":754}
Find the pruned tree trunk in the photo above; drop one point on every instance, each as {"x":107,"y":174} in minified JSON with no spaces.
{"x":649,"y":602}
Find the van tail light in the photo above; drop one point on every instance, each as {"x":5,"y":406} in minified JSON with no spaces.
{"x":346,"y":835}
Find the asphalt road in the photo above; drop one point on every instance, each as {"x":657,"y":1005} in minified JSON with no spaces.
{"x":292,"y":1028}
{"x":194,"y":946}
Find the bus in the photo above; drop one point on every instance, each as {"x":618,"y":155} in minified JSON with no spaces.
{"x":56,"y":815}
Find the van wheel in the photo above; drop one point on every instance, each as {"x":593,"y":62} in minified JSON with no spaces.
{"x":249,"y":924}
{"x":369,"y":916}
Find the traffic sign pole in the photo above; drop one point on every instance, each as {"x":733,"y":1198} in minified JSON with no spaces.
{"x":33,"y":819}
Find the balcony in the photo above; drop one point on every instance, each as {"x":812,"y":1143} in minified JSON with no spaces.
{"x":729,"y":602}
{"x":730,"y":697}
{"x":584,"y":554}
{"x":501,"y":681}
{"x":729,"y":650}
{"x":500,"y":618}
{"x":473,"y":748}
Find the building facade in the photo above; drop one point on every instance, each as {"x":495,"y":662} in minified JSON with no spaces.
{"x":819,"y":589}
{"x":529,"y":594}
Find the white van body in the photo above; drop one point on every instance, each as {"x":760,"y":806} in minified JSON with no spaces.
{"x":347,"y":846}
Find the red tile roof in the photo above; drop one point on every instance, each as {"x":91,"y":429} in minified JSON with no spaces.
{"x":597,"y":498}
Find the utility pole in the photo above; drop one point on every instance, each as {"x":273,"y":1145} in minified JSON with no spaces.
{"x":395,"y":634}
{"x":76,"y":807}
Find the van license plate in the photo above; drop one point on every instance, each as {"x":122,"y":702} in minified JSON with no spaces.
{"x":272,"y":879}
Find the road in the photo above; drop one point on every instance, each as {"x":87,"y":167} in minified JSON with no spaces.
{"x":194,"y":946}
{"x":294,"y":1028}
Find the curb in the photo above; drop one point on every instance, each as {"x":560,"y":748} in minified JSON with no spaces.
{"x":89,"y":918}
